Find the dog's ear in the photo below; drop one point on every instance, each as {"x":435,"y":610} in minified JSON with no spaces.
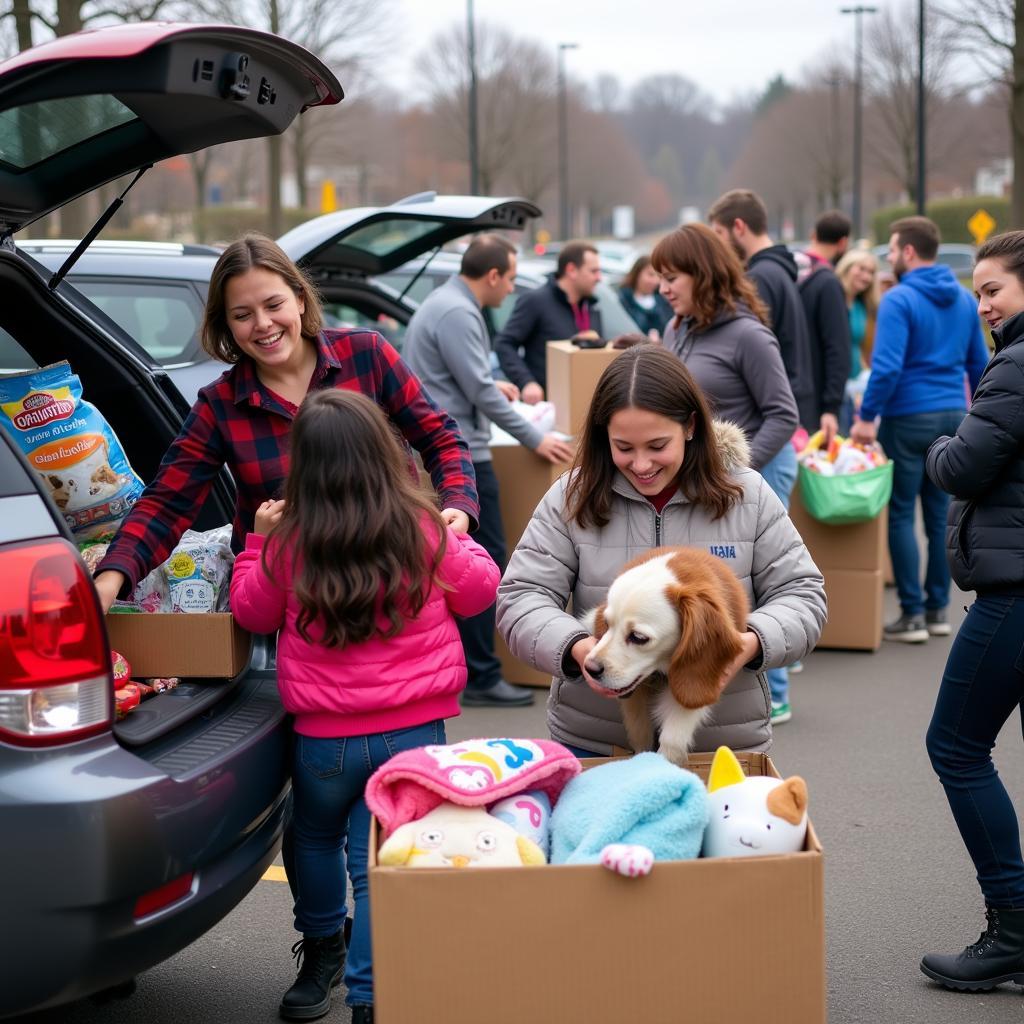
{"x":708,"y":642}
{"x":600,"y":626}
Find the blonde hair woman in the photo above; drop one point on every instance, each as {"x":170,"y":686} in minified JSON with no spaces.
{"x":858,"y":273}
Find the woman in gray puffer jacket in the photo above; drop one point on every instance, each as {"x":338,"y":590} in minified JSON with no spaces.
{"x":653,"y":469}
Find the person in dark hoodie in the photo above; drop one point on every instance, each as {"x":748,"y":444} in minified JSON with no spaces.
{"x":561,"y":307}
{"x":926,"y":337}
{"x":828,"y":319}
{"x":740,"y":219}
{"x":982,"y":467}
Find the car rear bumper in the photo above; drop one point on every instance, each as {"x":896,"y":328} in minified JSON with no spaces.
{"x":91,"y":828}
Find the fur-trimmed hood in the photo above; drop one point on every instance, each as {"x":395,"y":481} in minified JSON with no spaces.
{"x":733,"y":445}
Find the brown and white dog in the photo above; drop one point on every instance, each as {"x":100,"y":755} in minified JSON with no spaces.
{"x":666,"y":633}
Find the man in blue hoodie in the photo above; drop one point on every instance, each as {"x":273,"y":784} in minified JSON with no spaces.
{"x":926,"y":338}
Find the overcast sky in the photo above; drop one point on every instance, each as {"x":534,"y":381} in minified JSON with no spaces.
{"x":728,"y":47}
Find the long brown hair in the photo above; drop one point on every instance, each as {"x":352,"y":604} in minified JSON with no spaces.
{"x":718,"y":279}
{"x":352,"y":523}
{"x":651,"y":378}
{"x":253,"y":251}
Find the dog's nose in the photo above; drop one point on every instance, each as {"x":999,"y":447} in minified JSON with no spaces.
{"x":594,"y":668}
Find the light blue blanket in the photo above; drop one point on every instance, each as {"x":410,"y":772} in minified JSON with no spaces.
{"x":644,"y":800}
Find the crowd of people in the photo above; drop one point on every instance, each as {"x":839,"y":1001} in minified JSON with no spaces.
{"x":386,"y":622}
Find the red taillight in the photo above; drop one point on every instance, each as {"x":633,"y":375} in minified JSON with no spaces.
{"x":167,"y":894}
{"x":55,"y":676}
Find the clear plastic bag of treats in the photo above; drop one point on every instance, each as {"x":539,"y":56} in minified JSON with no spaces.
{"x":199,"y":570}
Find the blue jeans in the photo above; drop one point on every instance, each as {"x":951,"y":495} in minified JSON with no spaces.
{"x":780,"y":475}
{"x":329,"y":777}
{"x":906,"y":440}
{"x":982,"y":686}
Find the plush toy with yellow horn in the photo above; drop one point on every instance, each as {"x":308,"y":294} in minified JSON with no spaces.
{"x":755,"y":815}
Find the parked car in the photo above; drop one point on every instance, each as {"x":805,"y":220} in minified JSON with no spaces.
{"x":123,"y":841}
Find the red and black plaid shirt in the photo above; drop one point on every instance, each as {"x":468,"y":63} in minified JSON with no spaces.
{"x":238,"y":422}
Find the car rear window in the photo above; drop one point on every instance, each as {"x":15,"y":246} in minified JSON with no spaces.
{"x":163,"y":318}
{"x":36,"y":131}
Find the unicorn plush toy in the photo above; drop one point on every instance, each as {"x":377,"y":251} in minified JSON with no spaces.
{"x":755,"y":815}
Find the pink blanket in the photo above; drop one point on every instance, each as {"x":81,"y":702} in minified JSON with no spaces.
{"x":474,"y":773}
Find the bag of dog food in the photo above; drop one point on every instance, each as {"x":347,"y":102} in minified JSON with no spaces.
{"x":71,"y":446}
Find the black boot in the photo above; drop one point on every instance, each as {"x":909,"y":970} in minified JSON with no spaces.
{"x":997,"y":956}
{"x":321,"y":961}
{"x":362,"y":1015}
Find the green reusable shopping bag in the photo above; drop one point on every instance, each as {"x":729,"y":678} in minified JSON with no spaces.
{"x":849,"y":498}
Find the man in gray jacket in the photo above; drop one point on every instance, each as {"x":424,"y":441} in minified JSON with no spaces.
{"x":448,"y":348}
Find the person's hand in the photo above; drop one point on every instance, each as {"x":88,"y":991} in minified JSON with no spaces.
{"x":829,"y":428}
{"x":456,"y":519}
{"x":532,"y":393}
{"x":268,"y":515}
{"x":579,"y":651}
{"x":751,"y":651}
{"x":862,"y":432}
{"x":108,"y":585}
{"x":554,"y":449}
{"x":508,"y":389}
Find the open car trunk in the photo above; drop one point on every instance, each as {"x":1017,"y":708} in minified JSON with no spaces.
{"x":145,"y":412}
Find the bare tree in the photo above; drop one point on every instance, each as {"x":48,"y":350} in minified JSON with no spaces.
{"x":891,"y":81}
{"x":515,"y":95}
{"x":992,"y":33}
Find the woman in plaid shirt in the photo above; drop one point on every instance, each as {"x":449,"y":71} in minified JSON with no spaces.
{"x":263,"y":316}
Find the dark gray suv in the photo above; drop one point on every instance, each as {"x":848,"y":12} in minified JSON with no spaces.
{"x":122,"y":842}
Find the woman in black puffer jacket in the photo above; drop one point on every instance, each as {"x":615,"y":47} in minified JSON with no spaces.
{"x":983,"y":468}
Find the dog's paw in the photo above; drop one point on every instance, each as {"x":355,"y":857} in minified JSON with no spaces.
{"x":627,"y":859}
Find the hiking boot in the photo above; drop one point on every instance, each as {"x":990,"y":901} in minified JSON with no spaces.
{"x":997,"y":956}
{"x":321,"y":962}
{"x":362,"y":1015}
{"x":910,"y":629}
{"x":937,"y":622}
{"x":781,"y":713}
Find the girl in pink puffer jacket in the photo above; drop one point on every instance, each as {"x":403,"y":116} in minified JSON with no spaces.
{"x":359,"y":573}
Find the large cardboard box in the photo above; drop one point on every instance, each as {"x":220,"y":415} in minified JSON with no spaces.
{"x":718,"y":941}
{"x":523,"y":479}
{"x":211,"y":646}
{"x":861,"y":546}
{"x":573,"y":374}
{"x":854,"y":609}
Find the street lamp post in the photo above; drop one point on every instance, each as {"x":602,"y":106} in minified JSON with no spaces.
{"x":858,"y":109}
{"x":563,"y":143}
{"x":922,"y":167}
{"x":474,"y":152}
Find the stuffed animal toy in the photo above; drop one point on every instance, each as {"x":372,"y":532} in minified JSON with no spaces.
{"x":458,"y":837}
{"x":529,"y":814}
{"x":628,"y":814}
{"x":755,"y":815}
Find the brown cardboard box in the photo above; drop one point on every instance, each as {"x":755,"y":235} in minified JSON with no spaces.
{"x":523,"y":479}
{"x":573,"y":374}
{"x":719,"y":941}
{"x":862,"y":546}
{"x":854,"y":609}
{"x":210,"y":646}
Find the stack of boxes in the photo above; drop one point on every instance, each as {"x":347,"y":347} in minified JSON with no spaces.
{"x":853,"y":559}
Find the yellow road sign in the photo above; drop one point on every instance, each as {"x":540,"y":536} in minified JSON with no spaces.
{"x":328,"y":197}
{"x":980,"y":225}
